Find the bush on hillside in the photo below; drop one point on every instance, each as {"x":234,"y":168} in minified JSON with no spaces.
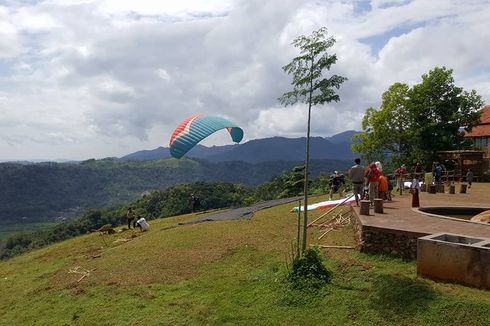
{"x":308,"y":270}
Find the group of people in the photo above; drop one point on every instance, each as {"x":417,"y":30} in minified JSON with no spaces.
{"x":380,"y":186}
{"x":370,"y":182}
{"x":136,"y":220}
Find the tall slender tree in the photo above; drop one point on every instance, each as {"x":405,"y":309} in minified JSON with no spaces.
{"x":310,"y":87}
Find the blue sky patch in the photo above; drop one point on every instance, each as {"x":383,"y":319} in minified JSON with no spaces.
{"x":5,"y":68}
{"x":377,"y":42}
{"x":362,"y":7}
{"x":394,"y":3}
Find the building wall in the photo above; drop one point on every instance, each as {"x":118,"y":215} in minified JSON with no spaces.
{"x":483,"y":143}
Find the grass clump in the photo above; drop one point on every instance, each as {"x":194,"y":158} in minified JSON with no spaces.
{"x":308,"y":270}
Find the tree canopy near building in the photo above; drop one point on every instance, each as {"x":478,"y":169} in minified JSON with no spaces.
{"x":414,"y":123}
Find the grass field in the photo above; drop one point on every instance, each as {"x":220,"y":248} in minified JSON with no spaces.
{"x":222,"y":273}
{"x":9,"y":230}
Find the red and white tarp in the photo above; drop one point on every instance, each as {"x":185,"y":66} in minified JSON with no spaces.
{"x":327,"y":204}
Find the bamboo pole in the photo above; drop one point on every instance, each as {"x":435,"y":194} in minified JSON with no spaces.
{"x":328,"y":210}
{"x":337,"y":247}
{"x":299,"y":230}
{"x":324,"y":234}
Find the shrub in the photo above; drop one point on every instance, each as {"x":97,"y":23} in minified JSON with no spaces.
{"x":308,"y":271}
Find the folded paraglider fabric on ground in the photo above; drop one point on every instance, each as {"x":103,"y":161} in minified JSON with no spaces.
{"x":328,"y":204}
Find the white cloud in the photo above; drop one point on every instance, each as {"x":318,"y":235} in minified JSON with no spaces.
{"x":83,"y":79}
{"x":10,"y":45}
{"x":163,"y":74}
{"x":165,"y":7}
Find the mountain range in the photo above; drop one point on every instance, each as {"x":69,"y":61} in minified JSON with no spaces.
{"x":263,"y":150}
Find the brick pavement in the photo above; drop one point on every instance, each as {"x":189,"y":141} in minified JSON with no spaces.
{"x":399,"y":216}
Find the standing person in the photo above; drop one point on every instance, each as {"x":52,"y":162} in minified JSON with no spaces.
{"x":400,"y":172}
{"x":438,"y":173}
{"x":415,"y":190}
{"x":390,"y":188}
{"x":372,"y":174}
{"x":195,"y":202}
{"x":469,"y":177}
{"x":356,"y":175}
{"x":130,"y":215}
{"x":417,"y":170}
{"x":383,"y":187}
{"x":337,"y":181}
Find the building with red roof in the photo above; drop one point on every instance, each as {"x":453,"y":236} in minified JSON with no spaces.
{"x":481,"y":134}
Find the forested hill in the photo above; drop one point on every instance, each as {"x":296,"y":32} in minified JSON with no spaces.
{"x":39,"y":192}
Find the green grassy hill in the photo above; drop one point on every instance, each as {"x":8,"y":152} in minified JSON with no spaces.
{"x":219,"y":273}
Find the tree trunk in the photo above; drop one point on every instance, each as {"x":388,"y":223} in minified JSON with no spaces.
{"x":307,"y":163}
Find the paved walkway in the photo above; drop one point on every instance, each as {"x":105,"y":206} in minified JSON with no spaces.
{"x":398,"y":215}
{"x":242,"y":212}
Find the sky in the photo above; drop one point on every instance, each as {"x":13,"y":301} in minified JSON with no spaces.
{"x":84,"y":79}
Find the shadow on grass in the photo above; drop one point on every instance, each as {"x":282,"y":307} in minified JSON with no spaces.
{"x":396,"y":297}
{"x":289,"y":297}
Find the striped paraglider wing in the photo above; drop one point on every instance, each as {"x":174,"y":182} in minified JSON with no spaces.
{"x":197,"y":127}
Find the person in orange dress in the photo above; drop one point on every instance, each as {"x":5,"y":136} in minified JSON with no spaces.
{"x":383,"y":186}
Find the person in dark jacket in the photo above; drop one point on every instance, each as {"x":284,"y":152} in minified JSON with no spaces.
{"x":469,"y":177}
{"x":131,"y":216}
{"x":337,"y":181}
{"x":195,"y":202}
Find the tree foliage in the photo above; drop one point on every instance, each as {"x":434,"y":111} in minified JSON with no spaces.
{"x":387,"y":130}
{"x":439,"y":110}
{"x":309,"y":85}
{"x":294,"y":181}
{"x":413,"y":123}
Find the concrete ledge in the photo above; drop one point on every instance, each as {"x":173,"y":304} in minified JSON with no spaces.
{"x":455,"y":258}
{"x":396,"y":231}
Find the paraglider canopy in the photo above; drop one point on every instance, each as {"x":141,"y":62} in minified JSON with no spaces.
{"x":197,"y":127}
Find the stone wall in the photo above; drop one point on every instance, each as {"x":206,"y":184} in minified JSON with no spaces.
{"x":386,"y":241}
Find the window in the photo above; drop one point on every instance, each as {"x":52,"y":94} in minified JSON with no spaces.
{"x":478,"y":142}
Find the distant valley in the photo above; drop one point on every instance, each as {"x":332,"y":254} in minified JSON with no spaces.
{"x":38,"y":192}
